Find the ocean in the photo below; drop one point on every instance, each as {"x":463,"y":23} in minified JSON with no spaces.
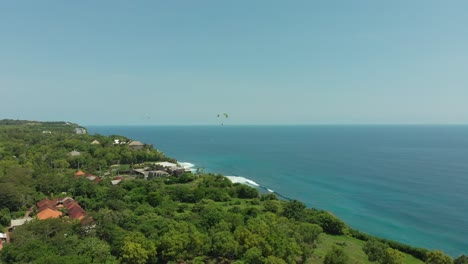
{"x":406,"y":183}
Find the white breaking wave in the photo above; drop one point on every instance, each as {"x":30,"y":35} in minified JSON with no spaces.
{"x":270,"y":190}
{"x":187,"y":165}
{"x":238,"y":179}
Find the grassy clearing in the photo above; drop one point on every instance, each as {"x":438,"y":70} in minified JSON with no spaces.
{"x":351,"y":246}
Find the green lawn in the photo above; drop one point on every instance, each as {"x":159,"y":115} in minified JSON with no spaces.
{"x":352,"y":247}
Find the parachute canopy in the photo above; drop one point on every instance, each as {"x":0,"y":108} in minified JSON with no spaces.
{"x":223,"y":116}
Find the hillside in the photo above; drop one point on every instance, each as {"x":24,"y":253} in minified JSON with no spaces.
{"x":166,"y":216}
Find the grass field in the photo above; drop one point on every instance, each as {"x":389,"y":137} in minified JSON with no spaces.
{"x":351,"y":246}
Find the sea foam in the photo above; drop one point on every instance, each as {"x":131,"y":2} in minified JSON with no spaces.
{"x":187,"y":165}
{"x":238,"y":179}
{"x":243,"y":180}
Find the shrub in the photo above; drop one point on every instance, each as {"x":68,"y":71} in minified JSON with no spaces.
{"x":336,"y":255}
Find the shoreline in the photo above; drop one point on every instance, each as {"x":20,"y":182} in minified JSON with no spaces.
{"x":216,"y":148}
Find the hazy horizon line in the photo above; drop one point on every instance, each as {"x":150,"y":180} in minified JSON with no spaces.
{"x":316,"y":124}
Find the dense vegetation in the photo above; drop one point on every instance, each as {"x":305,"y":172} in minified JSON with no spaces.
{"x":193,"y":218}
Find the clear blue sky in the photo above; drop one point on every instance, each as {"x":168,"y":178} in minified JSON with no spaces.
{"x":263,"y":62}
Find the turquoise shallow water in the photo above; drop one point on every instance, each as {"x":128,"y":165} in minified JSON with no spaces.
{"x":407,"y":183}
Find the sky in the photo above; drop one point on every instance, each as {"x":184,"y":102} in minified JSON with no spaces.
{"x":262,"y":62}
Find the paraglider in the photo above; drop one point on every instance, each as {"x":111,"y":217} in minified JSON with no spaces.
{"x":223,"y":116}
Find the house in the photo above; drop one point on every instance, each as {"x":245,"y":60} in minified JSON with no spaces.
{"x":94,"y":178}
{"x":80,"y":131}
{"x":53,"y":208}
{"x":44,"y":204}
{"x":80,"y":173}
{"x":90,"y":177}
{"x":74,"y":153}
{"x":47,"y":213}
{"x":48,"y":209}
{"x":75,"y":211}
{"x":157,"y":173}
{"x":3,"y":239}
{"x":18,"y":222}
{"x":115,"y":182}
{"x":172,"y":168}
{"x":141,"y":173}
{"x":177,"y":171}
{"x":165,"y":164}
{"x":95,"y":142}
{"x":136,"y":145}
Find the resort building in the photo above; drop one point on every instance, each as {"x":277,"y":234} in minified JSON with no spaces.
{"x":74,"y":153}
{"x":136,"y":145}
{"x":18,"y":222}
{"x":53,"y":208}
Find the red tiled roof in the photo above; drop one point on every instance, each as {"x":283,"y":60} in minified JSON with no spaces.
{"x":68,"y":201}
{"x":42,"y":208}
{"x":76,"y":215}
{"x":50,"y":203}
{"x":75,"y":207}
{"x":49,"y":213}
{"x":70,"y":204}
{"x":80,"y":173}
{"x":49,"y":208}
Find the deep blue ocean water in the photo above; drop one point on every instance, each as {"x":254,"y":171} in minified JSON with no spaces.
{"x":406,"y":183}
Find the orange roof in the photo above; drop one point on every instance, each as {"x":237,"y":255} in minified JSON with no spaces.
{"x":48,"y":213}
{"x":79,"y":173}
{"x":49,"y":208}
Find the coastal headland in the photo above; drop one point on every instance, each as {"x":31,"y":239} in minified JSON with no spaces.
{"x":79,"y":198}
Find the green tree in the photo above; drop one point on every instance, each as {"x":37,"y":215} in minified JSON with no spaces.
{"x":137,"y":249}
{"x":224,"y":245}
{"x":98,"y":251}
{"x":271,"y":206}
{"x":172,"y":245}
{"x":294,"y":210}
{"x":308,"y":232}
{"x":253,"y":256}
{"x":461,"y":260}
{"x":274,"y":260}
{"x":438,"y":257}
{"x":245,"y":192}
{"x":330,"y":223}
{"x":133,"y":253}
{"x":336,"y":255}
{"x":61,"y":164}
{"x":375,"y":250}
{"x":58,"y":259}
{"x":26,"y":252}
{"x":392,"y":256}
{"x":5,"y":217}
